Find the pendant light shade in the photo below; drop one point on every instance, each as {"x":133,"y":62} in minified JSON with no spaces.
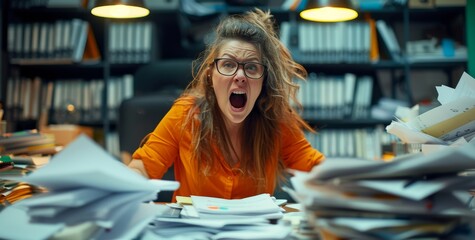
{"x":120,"y":9}
{"x":329,"y":11}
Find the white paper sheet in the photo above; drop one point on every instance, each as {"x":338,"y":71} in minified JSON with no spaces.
{"x":16,"y":225}
{"x":72,"y":198}
{"x":448,"y":116}
{"x":450,"y":121}
{"x":409,"y":135}
{"x":258,"y":204}
{"x":465,"y":88}
{"x":209,"y":223}
{"x":241,"y":228}
{"x":417,"y":190}
{"x":255,"y":232}
{"x":461,"y":158}
{"x":83,"y":163}
{"x":85,"y":184}
{"x":131,"y":222}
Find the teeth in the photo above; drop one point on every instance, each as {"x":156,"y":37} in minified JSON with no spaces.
{"x":239,"y":92}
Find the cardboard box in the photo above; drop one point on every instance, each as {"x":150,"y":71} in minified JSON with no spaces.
{"x":66,"y":133}
{"x":421,"y":3}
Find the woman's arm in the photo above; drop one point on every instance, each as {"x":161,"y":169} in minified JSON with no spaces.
{"x":298,"y":153}
{"x":161,"y":147}
{"x":137,"y":166}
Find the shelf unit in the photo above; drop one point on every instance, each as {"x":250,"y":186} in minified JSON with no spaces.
{"x":51,"y":71}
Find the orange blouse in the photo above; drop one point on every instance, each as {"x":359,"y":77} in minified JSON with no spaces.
{"x":169,"y":144}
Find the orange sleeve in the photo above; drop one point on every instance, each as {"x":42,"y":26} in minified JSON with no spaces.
{"x":162,"y":148}
{"x":298,"y":153}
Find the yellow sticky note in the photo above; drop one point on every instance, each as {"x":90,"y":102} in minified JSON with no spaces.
{"x":184,"y":200}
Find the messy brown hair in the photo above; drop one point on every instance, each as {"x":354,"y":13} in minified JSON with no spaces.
{"x":276,"y":106}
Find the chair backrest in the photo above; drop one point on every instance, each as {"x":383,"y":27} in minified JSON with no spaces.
{"x":156,"y":86}
{"x":139,"y":116}
{"x":163,"y":76}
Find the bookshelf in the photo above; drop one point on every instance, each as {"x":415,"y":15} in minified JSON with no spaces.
{"x":395,"y":70}
{"x":62,"y":56}
{"x":390,"y":77}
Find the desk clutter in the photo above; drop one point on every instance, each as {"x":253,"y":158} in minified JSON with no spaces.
{"x":12,"y":191}
{"x":28,"y":142}
{"x":238,"y":228}
{"x":22,"y":153}
{"x":255,"y":217}
{"x":217,"y":218}
{"x":450,"y":123}
{"x":425,"y":192}
{"x":90,"y":195}
{"x":83,"y":192}
{"x":412,"y":197}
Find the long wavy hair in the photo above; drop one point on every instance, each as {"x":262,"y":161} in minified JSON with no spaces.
{"x":276,"y":106}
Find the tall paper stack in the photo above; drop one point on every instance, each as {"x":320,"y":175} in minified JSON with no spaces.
{"x":90,"y":195}
{"x":413,"y":197}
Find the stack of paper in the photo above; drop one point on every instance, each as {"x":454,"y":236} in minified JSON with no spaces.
{"x":416,"y":196}
{"x":240,"y":228}
{"x":29,"y":142}
{"x":217,"y":218}
{"x":17,"y":166}
{"x":13,"y":191}
{"x":87,"y":188}
{"x":451,"y":122}
{"x":259,"y":206}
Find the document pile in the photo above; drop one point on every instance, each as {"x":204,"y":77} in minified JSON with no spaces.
{"x":412,"y":197}
{"x":17,"y":166}
{"x":90,"y":195}
{"x":28,"y":142}
{"x":259,"y":206}
{"x":240,"y":228}
{"x":451,"y":122}
{"x":217,"y":218}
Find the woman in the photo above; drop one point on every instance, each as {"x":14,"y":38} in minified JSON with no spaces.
{"x":234,"y":131}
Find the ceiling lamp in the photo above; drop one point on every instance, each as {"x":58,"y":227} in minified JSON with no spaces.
{"x":120,"y":9}
{"x":329,"y":11}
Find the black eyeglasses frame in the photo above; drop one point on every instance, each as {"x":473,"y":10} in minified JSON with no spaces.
{"x":215,"y":62}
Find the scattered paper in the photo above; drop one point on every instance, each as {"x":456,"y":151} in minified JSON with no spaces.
{"x":85,"y":184}
{"x":445,"y":124}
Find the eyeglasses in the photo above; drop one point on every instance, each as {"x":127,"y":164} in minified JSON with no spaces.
{"x":229,"y":67}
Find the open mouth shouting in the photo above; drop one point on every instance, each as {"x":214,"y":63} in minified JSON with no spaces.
{"x":238,"y":99}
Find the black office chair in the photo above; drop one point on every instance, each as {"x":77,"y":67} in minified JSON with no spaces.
{"x":164,"y":76}
{"x":156,"y":86}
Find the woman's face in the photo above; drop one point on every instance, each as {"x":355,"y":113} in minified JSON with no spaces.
{"x":237,"y":94}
